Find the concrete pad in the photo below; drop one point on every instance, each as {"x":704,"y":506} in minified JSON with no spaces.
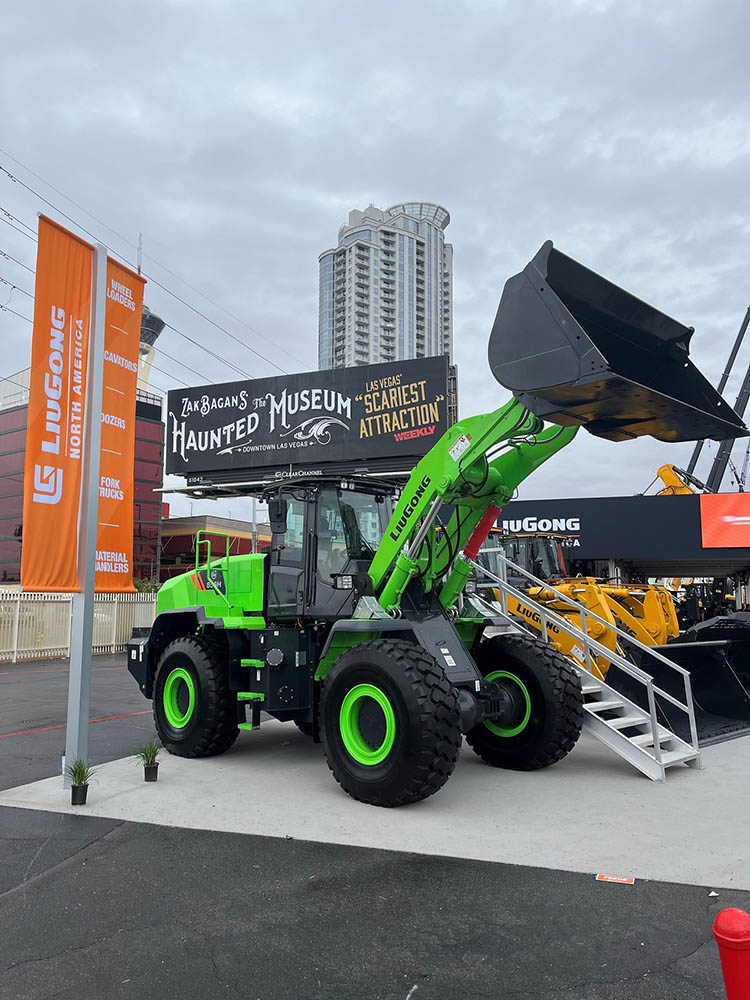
{"x":590,"y":813}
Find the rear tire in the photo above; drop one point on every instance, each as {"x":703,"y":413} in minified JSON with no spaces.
{"x":390,"y":723}
{"x":551,"y":716}
{"x":195,"y":713}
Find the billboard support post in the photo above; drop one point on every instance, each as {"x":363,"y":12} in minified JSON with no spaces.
{"x":82,"y":623}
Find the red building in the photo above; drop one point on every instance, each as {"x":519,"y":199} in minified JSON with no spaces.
{"x":149,"y":449}
{"x":178,"y":539}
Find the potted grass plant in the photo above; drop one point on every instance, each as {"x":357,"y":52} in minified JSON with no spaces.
{"x":147,"y":755}
{"x":80,"y":773}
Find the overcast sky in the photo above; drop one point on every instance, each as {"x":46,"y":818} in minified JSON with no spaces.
{"x":237,"y":136}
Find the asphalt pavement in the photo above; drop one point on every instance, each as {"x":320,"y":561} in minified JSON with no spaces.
{"x":95,"y":907}
{"x":33,"y":701}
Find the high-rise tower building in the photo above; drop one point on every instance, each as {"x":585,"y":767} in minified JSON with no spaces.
{"x":386,"y":290}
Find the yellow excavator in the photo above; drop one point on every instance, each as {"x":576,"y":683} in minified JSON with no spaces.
{"x":675,"y":482}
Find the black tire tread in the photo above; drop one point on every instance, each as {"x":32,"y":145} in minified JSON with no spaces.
{"x":221,"y":729}
{"x":440,"y":717}
{"x":566,"y":684}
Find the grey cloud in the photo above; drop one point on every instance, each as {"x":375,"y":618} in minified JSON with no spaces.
{"x":237,"y":137}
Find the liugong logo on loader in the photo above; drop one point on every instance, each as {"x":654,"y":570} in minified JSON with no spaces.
{"x":410,"y":508}
{"x":536,"y":618}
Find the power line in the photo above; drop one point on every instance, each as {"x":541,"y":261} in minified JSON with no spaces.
{"x":201,"y":347}
{"x":16,"y":288}
{"x":7,"y":256}
{"x":161,"y":371}
{"x":160,"y":350}
{"x":162,"y":353}
{"x":7,"y":378}
{"x":20,"y":316}
{"x":130,"y":243}
{"x":16,"y":219}
{"x":207,"y":350}
{"x":16,"y":229}
{"x":150,"y":277}
{"x":20,"y":385}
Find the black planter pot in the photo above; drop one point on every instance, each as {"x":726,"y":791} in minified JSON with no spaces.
{"x":151,"y":771}
{"x":78,"y":794}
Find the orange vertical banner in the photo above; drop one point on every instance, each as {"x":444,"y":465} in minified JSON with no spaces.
{"x":114,"y":547}
{"x":57,"y":400}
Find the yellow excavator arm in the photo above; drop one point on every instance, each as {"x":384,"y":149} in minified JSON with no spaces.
{"x":675,"y":481}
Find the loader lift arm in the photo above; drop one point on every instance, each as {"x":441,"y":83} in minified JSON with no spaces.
{"x":465,"y":471}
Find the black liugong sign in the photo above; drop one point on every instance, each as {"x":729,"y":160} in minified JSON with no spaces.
{"x":387,"y":415}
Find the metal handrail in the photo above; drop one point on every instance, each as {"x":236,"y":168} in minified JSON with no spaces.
{"x":590,"y":644}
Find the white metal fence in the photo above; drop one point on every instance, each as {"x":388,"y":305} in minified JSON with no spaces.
{"x":33,"y":626}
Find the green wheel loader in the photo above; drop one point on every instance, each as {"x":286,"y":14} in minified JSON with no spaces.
{"x":355,"y":626}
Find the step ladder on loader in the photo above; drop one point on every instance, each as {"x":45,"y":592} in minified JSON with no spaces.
{"x":634,"y":733}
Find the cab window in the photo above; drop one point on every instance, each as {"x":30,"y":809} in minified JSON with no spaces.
{"x":350,"y":526}
{"x":292,"y":542}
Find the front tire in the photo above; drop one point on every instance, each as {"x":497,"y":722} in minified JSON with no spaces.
{"x":390,"y":723}
{"x":547,"y":691}
{"x":195,"y":713}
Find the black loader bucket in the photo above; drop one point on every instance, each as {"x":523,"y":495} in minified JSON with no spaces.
{"x":576,"y":349}
{"x":717,"y":659}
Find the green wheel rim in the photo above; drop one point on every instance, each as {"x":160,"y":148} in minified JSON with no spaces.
{"x":506,"y":731}
{"x":176,"y":718}
{"x":356,"y":745}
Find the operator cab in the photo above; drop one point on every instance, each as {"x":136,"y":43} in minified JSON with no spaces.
{"x":539,"y":554}
{"x":323,"y":540}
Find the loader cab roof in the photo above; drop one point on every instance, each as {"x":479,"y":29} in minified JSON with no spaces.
{"x":262,"y":489}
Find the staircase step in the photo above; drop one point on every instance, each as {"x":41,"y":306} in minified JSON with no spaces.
{"x":626,"y":721}
{"x":590,"y":688}
{"x":604,"y":706}
{"x":647,"y":739}
{"x":677,"y":757}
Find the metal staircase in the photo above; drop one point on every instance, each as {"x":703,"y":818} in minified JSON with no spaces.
{"x":634,"y":733}
{"x":627,"y":729}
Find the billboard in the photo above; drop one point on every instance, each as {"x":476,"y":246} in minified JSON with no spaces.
{"x":376,"y":418}
{"x":675,"y":531}
{"x":57,"y":402}
{"x":725,"y":520}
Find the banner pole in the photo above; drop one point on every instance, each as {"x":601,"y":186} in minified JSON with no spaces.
{"x":82,"y":624}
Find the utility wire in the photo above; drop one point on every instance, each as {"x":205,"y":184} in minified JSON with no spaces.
{"x":130,"y":243}
{"x":7,"y":256}
{"x":20,"y":315}
{"x":161,"y":351}
{"x":150,"y":277}
{"x":15,"y":288}
{"x":207,"y":350}
{"x":21,"y":231}
{"x":200,"y":346}
{"x":182,"y":364}
{"x":8,"y":378}
{"x":16,"y":219}
{"x":154,"y":367}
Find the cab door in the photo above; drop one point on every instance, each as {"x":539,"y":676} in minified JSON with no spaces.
{"x":349,"y":525}
{"x":286,"y":591}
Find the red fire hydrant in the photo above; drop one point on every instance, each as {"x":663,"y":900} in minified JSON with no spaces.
{"x":732,"y":933}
